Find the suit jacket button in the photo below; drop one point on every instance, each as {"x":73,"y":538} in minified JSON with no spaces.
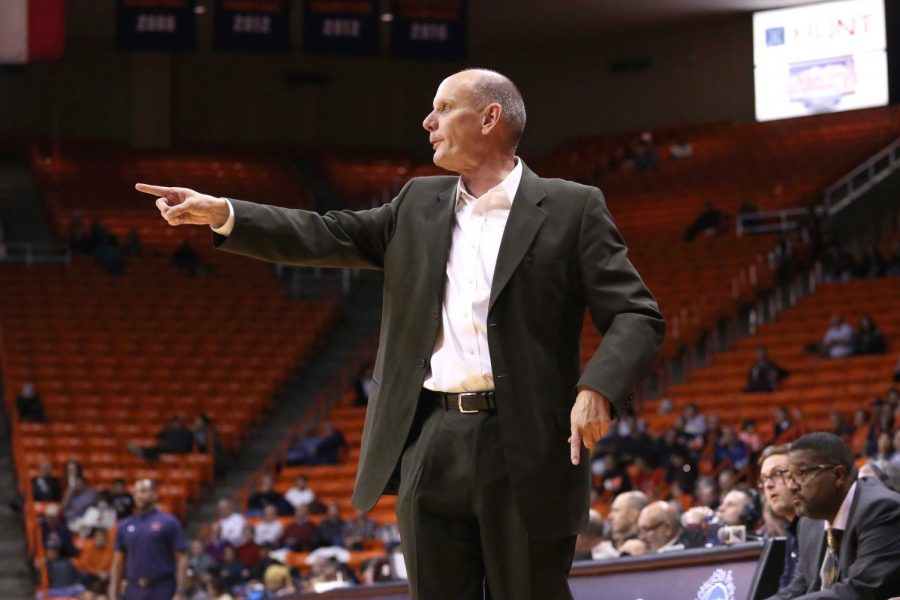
{"x":422,"y":362}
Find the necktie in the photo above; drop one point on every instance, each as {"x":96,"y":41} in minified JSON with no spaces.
{"x":829,"y":572}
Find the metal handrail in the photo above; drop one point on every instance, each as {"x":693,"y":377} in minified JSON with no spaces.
{"x":770,"y":221}
{"x":30,"y":253}
{"x":857,"y":182}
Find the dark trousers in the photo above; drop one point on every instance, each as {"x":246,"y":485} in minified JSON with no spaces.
{"x":159,"y":590}
{"x":462,"y":536}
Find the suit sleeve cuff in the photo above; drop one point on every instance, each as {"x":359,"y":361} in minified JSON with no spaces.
{"x":229,"y":224}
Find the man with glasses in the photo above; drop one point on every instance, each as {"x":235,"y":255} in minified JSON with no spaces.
{"x":660,"y":528}
{"x":856,"y":552}
{"x":773,"y":468}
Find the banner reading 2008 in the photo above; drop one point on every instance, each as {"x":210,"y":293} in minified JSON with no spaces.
{"x":163,"y":25}
{"x":429,"y":29}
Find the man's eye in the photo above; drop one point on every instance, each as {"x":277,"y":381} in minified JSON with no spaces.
{"x":445,"y":108}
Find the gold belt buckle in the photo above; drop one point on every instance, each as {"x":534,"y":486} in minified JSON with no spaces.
{"x":143,"y":582}
{"x":459,"y":402}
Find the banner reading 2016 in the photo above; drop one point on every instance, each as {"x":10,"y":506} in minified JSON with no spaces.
{"x":340,"y":27}
{"x":429,"y":29}
{"x":164,"y":25}
{"x":253,"y":25}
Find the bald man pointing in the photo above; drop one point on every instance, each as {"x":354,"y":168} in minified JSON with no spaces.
{"x":480,"y":418}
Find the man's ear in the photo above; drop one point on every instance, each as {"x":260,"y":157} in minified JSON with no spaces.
{"x":490,"y":116}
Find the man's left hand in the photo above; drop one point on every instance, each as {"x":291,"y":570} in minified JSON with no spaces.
{"x":590,"y":421}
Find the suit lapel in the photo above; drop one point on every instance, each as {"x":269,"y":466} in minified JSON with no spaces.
{"x":525,"y":219}
{"x":438,"y":226}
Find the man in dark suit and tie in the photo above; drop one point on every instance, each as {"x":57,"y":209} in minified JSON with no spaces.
{"x":849,"y":531}
{"x":479,"y":418}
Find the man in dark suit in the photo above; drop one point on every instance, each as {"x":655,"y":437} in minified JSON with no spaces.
{"x":479,"y":418}
{"x":850,"y":528}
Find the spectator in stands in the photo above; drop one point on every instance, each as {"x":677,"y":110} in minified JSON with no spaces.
{"x":29,"y":405}
{"x":94,"y":561}
{"x":301,"y":534}
{"x":174,"y":438}
{"x":331,"y":443}
{"x":860,"y":435}
{"x":590,"y":545}
{"x":359,"y":531}
{"x":199,"y":561}
{"x":839,"y":426}
{"x":207,"y":438}
{"x":120,"y":499}
{"x":132,"y":245}
{"x":300,"y":492}
{"x":216,"y":587}
{"x":895,"y":457}
{"x":266,"y":495}
{"x":278,"y":581}
{"x":706,"y":492}
{"x":786,"y":428}
{"x":644,"y":154}
{"x":729,"y":450}
{"x":363,"y":384}
{"x":186,"y":259}
{"x":871,"y":263}
{"x":881,"y":425}
{"x":614,"y":478}
{"x":231,"y":522}
{"x":861,"y":533}
{"x":750,"y":436}
{"x":681,"y":148}
{"x":108,"y":253}
{"x":388,"y":534}
{"x":269,"y":530}
{"x":837,"y":265}
{"x":737,"y":509}
{"x":897,"y":371}
{"x":660,"y":529}
{"x":623,"y":517}
{"x":72,"y":471}
{"x":869,"y":339}
{"x":246,"y":549}
{"x":216,"y":544}
{"x":773,"y":467}
{"x":838,"y":341}
{"x":45,"y":486}
{"x":62,"y":576}
{"x":99,"y":515}
{"x":76,"y":500}
{"x":694,"y":422}
{"x":331,"y":528}
{"x":884,"y":447}
{"x":707,"y":222}
{"x":231,"y":569}
{"x":764,"y":375}
{"x":266,"y":560}
{"x":726,"y":481}
{"x":55,"y":531}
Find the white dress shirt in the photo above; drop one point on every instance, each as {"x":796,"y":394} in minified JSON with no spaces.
{"x":268,"y":532}
{"x":460,"y":361}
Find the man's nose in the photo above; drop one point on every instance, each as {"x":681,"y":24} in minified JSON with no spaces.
{"x":430,"y":123}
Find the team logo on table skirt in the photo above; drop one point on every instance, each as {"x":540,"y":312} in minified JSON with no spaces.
{"x":720,"y":586}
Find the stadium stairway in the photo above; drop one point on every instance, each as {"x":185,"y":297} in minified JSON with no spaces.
{"x":15,"y":575}
{"x":357,"y":321}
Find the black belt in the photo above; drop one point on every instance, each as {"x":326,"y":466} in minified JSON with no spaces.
{"x":466,"y":402}
{"x":148,"y":582}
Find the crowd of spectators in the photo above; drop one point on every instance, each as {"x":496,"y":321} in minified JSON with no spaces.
{"x":842,"y":340}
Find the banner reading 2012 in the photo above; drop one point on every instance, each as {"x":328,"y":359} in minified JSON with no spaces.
{"x":253,"y":25}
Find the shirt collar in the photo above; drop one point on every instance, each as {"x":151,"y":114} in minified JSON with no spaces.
{"x":843,"y":513}
{"x":510,"y":183}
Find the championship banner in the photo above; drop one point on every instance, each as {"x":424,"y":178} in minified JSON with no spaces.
{"x":31,"y":30}
{"x":155,"y":25}
{"x":253,"y":25}
{"x":429,"y":29}
{"x":340,"y":27}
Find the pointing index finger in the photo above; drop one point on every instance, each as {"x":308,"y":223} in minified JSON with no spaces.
{"x":154,"y":190}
